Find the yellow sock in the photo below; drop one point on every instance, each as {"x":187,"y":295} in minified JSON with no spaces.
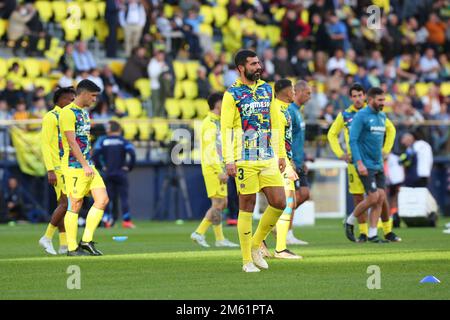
{"x":71,"y":225}
{"x":218,"y":232}
{"x":363,"y":228}
{"x":380,"y":224}
{"x":282,"y":231}
{"x":267,"y":222}
{"x":387,"y":227}
{"x":93,"y":218}
{"x":203,"y":227}
{"x":245,"y":227}
{"x":50,"y":231}
{"x":62,"y":239}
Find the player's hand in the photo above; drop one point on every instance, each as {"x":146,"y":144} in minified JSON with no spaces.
{"x":231,"y":169}
{"x":292,"y":175}
{"x":362,"y":169}
{"x":88,"y":171}
{"x":51,"y":177}
{"x":282,"y":164}
{"x":223,"y":177}
{"x":345,"y":158}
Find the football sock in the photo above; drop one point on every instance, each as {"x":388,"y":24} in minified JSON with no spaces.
{"x":363,"y":228}
{"x":62,"y":239}
{"x":126,"y":216}
{"x":282,"y":231}
{"x":218,"y":232}
{"x":93,"y":218}
{"x":372,"y":232}
{"x":351,"y":219}
{"x":203,"y":226}
{"x":50,"y":231}
{"x":244,"y":226}
{"x":71,"y":225}
{"x":387,"y":227}
{"x":267,"y":222}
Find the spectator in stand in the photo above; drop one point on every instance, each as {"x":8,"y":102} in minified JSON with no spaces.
{"x":156,"y":70}
{"x":283,"y":67}
{"x":11,"y":95}
{"x":301,"y":64}
{"x":417,"y":160}
{"x":134,"y":69}
{"x":204,"y":88}
{"x":132,"y":18}
{"x":319,"y":38}
{"x":441,"y":132}
{"x":269,"y":67}
{"x":108,"y":77}
{"x":293,"y":30}
{"x":415,"y":100}
{"x":436,"y":30}
{"x":444,"y":74}
{"x":67,"y":61}
{"x":67,"y":79}
{"x":5,"y":114}
{"x":328,"y":116}
{"x":21,"y":112}
{"x":376,"y":60}
{"x":429,"y":66}
{"x":432,"y":99}
{"x":405,"y":68}
{"x":337,"y":62}
{"x":216,"y":79}
{"x":393,"y":38}
{"x":36,"y":33}
{"x":38,"y":109}
{"x":337,"y":30}
{"x":17,"y":25}
{"x":112,"y":18}
{"x":102,"y":112}
{"x":230,"y":76}
{"x":83,"y":58}
{"x":95,"y":77}
{"x":14,"y":201}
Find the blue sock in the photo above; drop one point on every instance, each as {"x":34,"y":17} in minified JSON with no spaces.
{"x":126,"y":216}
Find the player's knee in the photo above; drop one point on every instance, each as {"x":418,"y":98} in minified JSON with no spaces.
{"x":102,"y":202}
{"x":373,"y":198}
{"x":75,"y":205}
{"x":305,"y":195}
{"x":63,"y":203}
{"x":279,"y":203}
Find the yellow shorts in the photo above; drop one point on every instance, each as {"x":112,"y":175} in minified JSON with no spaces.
{"x":252,"y":176}
{"x":59,"y":187}
{"x":78,"y":185}
{"x":214,"y":187}
{"x":289,"y":185}
{"x":354,"y":183}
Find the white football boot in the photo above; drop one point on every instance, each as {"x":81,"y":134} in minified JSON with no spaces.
{"x":291,"y":239}
{"x":200,"y":239}
{"x":258,"y":259}
{"x":250,"y":267}
{"x":47,"y":244}
{"x":226,"y":243}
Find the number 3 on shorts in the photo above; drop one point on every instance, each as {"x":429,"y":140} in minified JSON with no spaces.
{"x":241,"y":174}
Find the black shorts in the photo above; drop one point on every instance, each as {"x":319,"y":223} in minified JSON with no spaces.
{"x":302,"y":180}
{"x":373,"y":181}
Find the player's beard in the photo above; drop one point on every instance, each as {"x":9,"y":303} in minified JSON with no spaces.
{"x":378,"y":107}
{"x":255,"y":76}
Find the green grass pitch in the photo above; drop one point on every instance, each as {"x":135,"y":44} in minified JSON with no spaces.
{"x":159,"y":261}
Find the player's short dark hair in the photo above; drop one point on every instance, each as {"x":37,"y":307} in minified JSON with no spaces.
{"x":87,"y":85}
{"x":213,"y":99}
{"x":60,"y":91}
{"x":356,"y":87}
{"x":375,"y":91}
{"x":114,"y":126}
{"x":282,"y":84}
{"x":241,"y":57}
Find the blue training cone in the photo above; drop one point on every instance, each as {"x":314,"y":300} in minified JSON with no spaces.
{"x":430,"y":279}
{"x":120,"y":238}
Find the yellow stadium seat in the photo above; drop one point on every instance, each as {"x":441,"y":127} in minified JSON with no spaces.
{"x":27,"y":84}
{"x":101,"y":30}
{"x":90,"y":10}
{"x":220,"y":16}
{"x":45,"y":10}
{"x":207,"y":13}
{"x":445,"y":89}
{"x":222,"y":3}
{"x":168,"y":11}
{"x":403,"y":87}
{"x":101,"y":8}
{"x":188,"y":109}
{"x":3,"y":27}
{"x":121,"y":107}
{"x":143,"y":85}
{"x":32,"y":67}
{"x":422,"y":89}
{"x":117,"y":67}
{"x":202,"y":108}
{"x":3,"y":68}
{"x":178,"y":90}
{"x":134,"y":107}
{"x":279,"y":14}
{"x":70,"y":33}
{"x":59,"y":11}
{"x":88,"y":30}
{"x":173,"y":108}
{"x":206,"y":29}
{"x":190,"y":89}
{"x":2,"y":83}
{"x":130,"y":128}
{"x":144,"y":129}
{"x":192,"y":70}
{"x":179,"y":69}
{"x":44,"y":83}
{"x":160,"y":128}
{"x":261,"y":32}
{"x":274,"y":34}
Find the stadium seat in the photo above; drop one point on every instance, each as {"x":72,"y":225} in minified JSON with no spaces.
{"x":261,"y":32}
{"x":101,"y":8}
{"x":134,"y":107}
{"x":190,"y":89}
{"x":101,"y":30}
{"x":160,"y":128}
{"x":32,"y":67}
{"x":70,"y":33}
{"x":27,"y":84}
{"x":120,"y":105}
{"x":403,"y":87}
{"x":2,"y":83}
{"x":206,"y":29}
{"x":168,"y":11}
{"x":90,"y":10}
{"x":45,"y":10}
{"x":188,"y":110}
{"x":202,"y":108}
{"x":3,"y":27}
{"x":143,"y":85}
{"x":222,"y":3}
{"x":220,"y":16}
{"x":59,"y":11}
{"x":130,"y":128}
{"x":144,"y":129}
{"x":179,"y":69}
{"x":88,"y":29}
{"x":207,"y":13}
{"x":3,"y":68}
{"x":44,"y":83}
{"x":274,"y":34}
{"x":192,"y":70}
{"x":178,"y":90}
{"x":445,"y":89}
{"x":279,"y":13}
{"x":422,"y":89}
{"x":117,"y":67}
{"x":45,"y":66}
{"x":173,"y":108}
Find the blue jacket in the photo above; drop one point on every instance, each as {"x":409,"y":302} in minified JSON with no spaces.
{"x":298,"y":135}
{"x":367,"y":137}
{"x":110,"y":154}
